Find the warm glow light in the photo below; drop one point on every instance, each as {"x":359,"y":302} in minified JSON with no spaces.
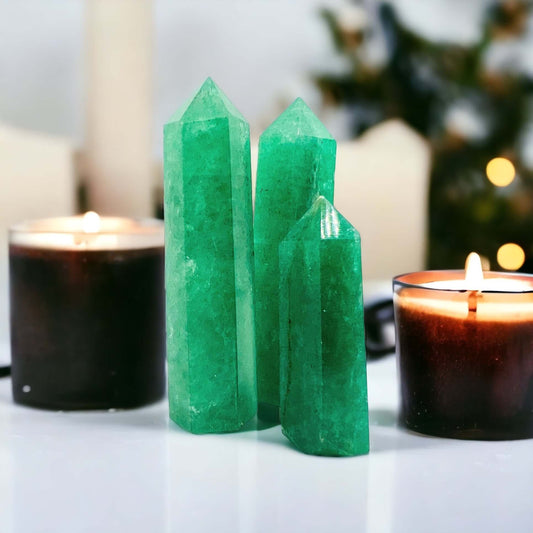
{"x":511,"y":256}
{"x":475,"y":282}
{"x":473,"y":271}
{"x":91,"y":222}
{"x":500,"y":171}
{"x":485,"y":262}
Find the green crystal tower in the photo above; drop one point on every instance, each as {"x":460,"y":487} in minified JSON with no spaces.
{"x":209,"y":265}
{"x":296,"y":164}
{"x":324,"y":408}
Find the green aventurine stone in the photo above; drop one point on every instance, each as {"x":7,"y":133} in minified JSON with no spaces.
{"x":296,"y":164}
{"x":209,"y":265}
{"x":324,"y":408}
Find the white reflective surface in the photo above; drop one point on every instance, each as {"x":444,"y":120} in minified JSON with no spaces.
{"x":134,"y":471}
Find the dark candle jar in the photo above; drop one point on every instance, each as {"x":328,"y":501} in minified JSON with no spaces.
{"x":465,"y":358}
{"x":87,"y":312}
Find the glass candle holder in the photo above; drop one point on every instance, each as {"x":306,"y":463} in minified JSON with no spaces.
{"x":465,"y":357}
{"x":87,"y":312}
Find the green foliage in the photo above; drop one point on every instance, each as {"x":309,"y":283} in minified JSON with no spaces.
{"x":427,"y":84}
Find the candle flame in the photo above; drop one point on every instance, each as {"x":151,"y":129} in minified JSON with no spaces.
{"x":473,"y":272}
{"x":91,"y":222}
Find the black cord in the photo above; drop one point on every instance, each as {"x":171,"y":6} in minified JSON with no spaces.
{"x":5,"y":371}
{"x":377,"y":316}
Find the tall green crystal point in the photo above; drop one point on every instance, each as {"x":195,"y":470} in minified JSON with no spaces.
{"x":324,"y":408}
{"x":296,"y":164}
{"x":209,"y":265}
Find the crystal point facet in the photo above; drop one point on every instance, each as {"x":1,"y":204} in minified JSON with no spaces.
{"x":297,"y":121}
{"x":296,"y":164}
{"x":209,"y":265}
{"x":323,"y":391}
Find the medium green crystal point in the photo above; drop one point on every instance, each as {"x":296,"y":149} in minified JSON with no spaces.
{"x":297,"y":122}
{"x":324,"y":408}
{"x":209,"y":265}
{"x":296,"y":164}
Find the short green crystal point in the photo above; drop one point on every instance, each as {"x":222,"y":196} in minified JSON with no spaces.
{"x":296,"y":164}
{"x":209,"y":265}
{"x":324,"y":408}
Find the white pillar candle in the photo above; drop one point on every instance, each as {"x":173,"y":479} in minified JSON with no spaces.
{"x":119,"y":107}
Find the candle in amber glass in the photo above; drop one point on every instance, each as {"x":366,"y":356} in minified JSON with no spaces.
{"x":87,"y":312}
{"x":465,"y":349}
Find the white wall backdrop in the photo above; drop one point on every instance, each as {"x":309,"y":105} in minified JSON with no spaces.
{"x":41,"y":78}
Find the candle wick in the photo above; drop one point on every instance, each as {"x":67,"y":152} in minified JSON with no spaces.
{"x":81,"y":239}
{"x":472,"y":301}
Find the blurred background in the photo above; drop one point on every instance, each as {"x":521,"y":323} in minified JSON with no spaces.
{"x":431,"y":103}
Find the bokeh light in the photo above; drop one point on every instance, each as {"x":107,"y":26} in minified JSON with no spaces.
{"x":510,"y":256}
{"x":500,"y":171}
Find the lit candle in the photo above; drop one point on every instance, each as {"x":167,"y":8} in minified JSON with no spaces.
{"x":465,"y":348}
{"x":87,"y":312}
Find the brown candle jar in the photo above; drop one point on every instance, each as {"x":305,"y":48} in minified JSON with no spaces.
{"x":87,"y":313}
{"x":465,"y":359}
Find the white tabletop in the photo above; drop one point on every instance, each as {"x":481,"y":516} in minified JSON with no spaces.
{"x":134,"y":471}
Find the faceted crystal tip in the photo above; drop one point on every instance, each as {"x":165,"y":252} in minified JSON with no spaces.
{"x":207,"y":104}
{"x":297,"y":121}
{"x":322,"y":221}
